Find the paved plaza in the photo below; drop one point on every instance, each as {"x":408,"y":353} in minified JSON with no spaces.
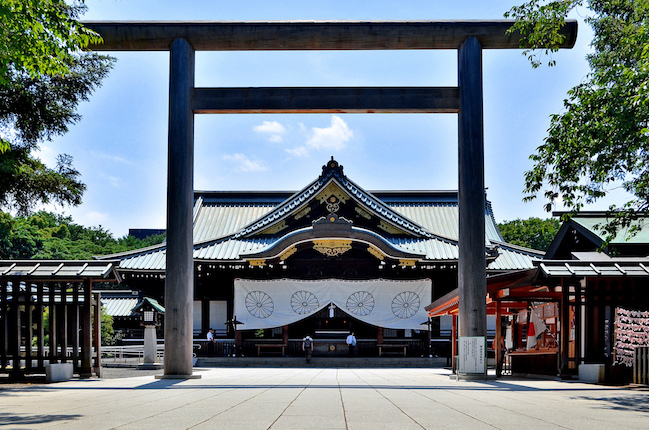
{"x":321,"y":398}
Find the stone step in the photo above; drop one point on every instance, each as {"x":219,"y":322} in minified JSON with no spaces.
{"x":325,"y":362}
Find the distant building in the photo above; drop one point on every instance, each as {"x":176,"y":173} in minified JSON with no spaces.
{"x":143,"y":233}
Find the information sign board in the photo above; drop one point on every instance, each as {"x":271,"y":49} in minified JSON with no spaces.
{"x":472,"y":354}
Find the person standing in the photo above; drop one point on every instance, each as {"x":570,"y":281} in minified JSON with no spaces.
{"x":351,"y":343}
{"x":307,"y":347}
{"x":502,"y":351}
{"x":210,"y":342}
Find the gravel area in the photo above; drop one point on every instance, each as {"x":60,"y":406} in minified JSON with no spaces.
{"x":127,"y":372}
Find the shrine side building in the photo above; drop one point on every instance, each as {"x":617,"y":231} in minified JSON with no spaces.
{"x":328,"y":259}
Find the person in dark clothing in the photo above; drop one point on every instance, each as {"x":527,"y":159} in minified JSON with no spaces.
{"x":307,"y":347}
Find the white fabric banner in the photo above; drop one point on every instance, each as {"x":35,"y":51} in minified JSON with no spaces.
{"x":380,"y":302}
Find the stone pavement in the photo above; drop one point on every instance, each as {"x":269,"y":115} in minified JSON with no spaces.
{"x":317,"y":398}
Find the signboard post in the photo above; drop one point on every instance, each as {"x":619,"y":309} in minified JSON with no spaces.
{"x":472,"y":352}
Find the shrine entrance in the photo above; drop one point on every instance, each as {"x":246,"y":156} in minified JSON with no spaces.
{"x":182,"y":39}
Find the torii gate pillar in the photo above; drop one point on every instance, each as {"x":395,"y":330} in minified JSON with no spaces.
{"x":179,"y":282}
{"x":472,"y":275}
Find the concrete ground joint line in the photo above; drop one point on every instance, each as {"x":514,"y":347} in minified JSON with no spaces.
{"x":173,"y":409}
{"x":414,"y":390}
{"x":83,"y":407}
{"x":294,"y":399}
{"x":231,"y":407}
{"x":400,"y":410}
{"x":342,"y":402}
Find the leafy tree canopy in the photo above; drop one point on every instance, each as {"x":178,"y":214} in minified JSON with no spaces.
{"x":600,"y":141}
{"x":532,"y":233}
{"x":44,"y":75}
{"x":52,"y":236}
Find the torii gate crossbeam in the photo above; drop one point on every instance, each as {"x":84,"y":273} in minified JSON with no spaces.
{"x":182,"y":39}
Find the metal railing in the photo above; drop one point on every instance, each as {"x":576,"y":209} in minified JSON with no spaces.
{"x":128,"y":353}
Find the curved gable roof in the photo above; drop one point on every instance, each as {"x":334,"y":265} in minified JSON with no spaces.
{"x":332,"y":177}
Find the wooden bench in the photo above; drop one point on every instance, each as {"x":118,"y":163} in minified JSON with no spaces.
{"x":271,"y":346}
{"x":399,"y":347}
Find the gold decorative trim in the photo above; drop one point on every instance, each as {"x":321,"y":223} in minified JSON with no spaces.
{"x":375,"y":252}
{"x":407,"y":263}
{"x":332,"y":190}
{"x":290,"y":251}
{"x":257,"y":263}
{"x":390,"y":228}
{"x":363,"y":213}
{"x":274,"y":228}
{"x":332,"y":247}
{"x":302,"y":213}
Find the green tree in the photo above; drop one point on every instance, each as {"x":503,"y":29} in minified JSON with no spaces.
{"x":600,"y":141}
{"x":44,"y":75}
{"x":532,"y":233}
{"x":107,"y":331}
{"x":54,"y":236}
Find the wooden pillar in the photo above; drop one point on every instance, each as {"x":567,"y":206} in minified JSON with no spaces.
{"x":74,"y":325}
{"x":565,"y":328}
{"x":4,"y":328}
{"x":53,"y":322}
{"x":97,"y":331}
{"x":40,"y":325}
{"x":454,"y":339}
{"x":15,"y":332}
{"x":63,"y":323}
{"x":379,"y":335}
{"x":472,"y":262}
{"x":179,"y":281}
{"x":29,"y":327}
{"x":85,"y":368}
{"x":499,"y":335}
{"x":285,"y":335}
{"x":578,"y":326}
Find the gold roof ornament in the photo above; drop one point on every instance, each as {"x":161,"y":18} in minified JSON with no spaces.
{"x":257,"y":263}
{"x":286,"y":254}
{"x":332,"y":247}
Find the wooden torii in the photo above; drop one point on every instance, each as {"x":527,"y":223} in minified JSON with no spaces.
{"x":182,"y":39}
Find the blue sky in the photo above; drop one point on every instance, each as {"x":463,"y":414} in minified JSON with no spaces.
{"x":120,"y":145}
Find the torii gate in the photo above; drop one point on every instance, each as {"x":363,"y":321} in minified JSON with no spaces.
{"x":182,"y":39}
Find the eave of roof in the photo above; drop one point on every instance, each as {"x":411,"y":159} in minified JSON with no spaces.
{"x":59,"y":269}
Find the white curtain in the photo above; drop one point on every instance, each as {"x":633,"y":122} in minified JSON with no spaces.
{"x":380,"y":302}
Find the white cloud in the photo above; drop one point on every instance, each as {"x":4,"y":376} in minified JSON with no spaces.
{"x":242,"y":163}
{"x":271,"y":127}
{"x":300,"y":151}
{"x":114,"y":181}
{"x":333,"y":137}
{"x":116,"y":158}
{"x":274,"y":129}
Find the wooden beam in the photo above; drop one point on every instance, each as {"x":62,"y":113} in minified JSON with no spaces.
{"x":309,"y":35}
{"x":327,"y":100}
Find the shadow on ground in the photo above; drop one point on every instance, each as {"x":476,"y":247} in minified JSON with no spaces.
{"x":8,"y":419}
{"x":637,"y":402}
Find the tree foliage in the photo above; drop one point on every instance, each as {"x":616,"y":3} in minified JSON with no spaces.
{"x":600,"y":141}
{"x":52,"y":236}
{"x":532,"y":233}
{"x":44,"y":75}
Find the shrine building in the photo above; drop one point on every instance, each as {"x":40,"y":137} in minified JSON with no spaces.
{"x":273,"y":266}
